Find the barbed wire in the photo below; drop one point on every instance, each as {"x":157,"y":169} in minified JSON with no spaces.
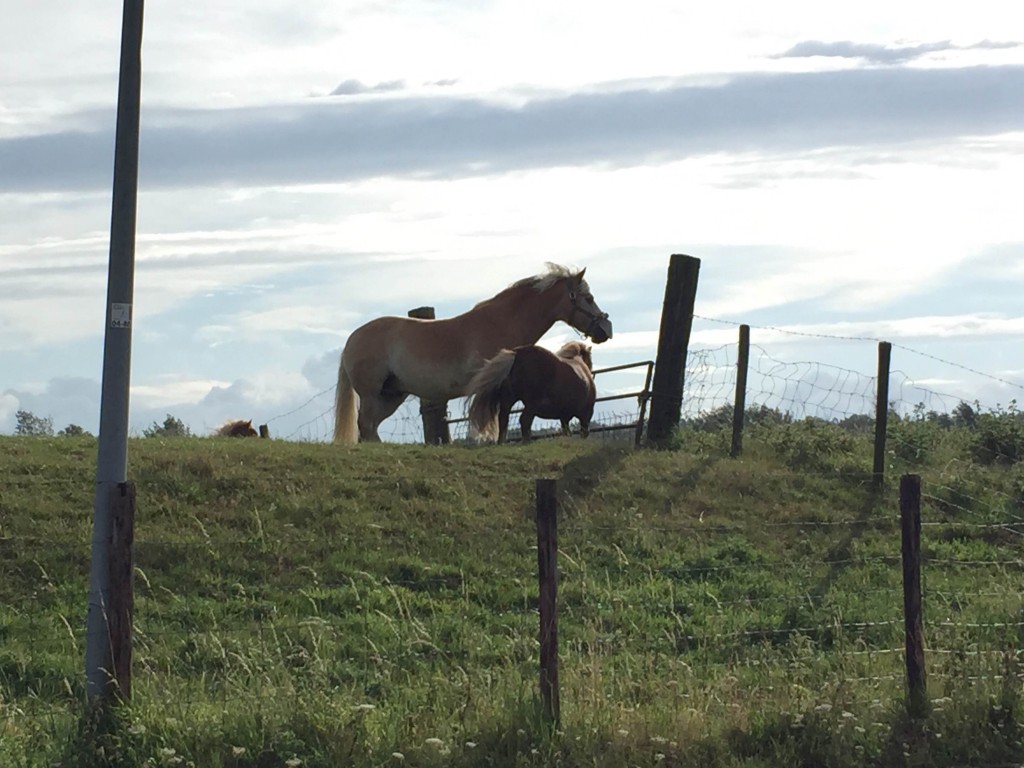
{"x":873,"y":339}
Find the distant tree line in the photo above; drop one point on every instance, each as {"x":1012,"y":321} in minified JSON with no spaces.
{"x":30,"y":425}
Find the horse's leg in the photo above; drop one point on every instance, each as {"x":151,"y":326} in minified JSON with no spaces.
{"x":565,"y":428}
{"x":503,"y":414}
{"x":375,"y":409}
{"x":526,"y":424}
{"x":506,"y":399}
{"x":585,"y":417}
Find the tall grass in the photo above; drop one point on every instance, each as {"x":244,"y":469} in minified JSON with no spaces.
{"x":317,"y":605}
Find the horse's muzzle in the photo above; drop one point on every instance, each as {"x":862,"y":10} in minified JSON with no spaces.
{"x":600,"y":329}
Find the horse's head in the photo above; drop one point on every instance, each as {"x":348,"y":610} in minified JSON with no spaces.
{"x":582,"y":312}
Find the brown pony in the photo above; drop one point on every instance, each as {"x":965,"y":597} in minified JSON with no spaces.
{"x":551,"y":385}
{"x":237,"y":428}
{"x":390,"y":358}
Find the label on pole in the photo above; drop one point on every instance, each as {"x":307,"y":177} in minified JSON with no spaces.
{"x":120,"y":315}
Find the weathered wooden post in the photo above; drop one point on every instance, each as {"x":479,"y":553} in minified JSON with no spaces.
{"x":673,"y":341}
{"x":913,"y":620}
{"x":264,"y":431}
{"x":434,"y":415}
{"x":881,"y":411}
{"x":547,"y":574}
{"x":122,"y":585}
{"x":740,"y":403}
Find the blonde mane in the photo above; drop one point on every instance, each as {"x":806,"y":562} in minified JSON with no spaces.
{"x":552,"y":274}
{"x":578,"y":349}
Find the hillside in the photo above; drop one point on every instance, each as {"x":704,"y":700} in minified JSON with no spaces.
{"x":316,"y":605}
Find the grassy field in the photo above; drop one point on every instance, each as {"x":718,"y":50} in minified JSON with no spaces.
{"x":316,"y":605}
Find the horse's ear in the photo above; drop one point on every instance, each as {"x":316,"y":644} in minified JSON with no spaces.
{"x":581,"y":273}
{"x":249,"y":422}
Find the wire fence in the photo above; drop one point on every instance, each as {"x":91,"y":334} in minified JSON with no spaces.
{"x":798,"y":388}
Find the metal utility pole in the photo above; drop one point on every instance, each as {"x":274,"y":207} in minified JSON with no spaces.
{"x":112,"y":459}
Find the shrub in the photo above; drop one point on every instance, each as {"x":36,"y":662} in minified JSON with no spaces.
{"x":172,"y":427}
{"x":999,"y":436}
{"x":812,"y":444}
{"x":73,"y":430}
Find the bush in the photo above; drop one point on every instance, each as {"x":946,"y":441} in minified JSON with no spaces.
{"x":999,"y":436}
{"x":73,"y":430}
{"x":172,"y":427}
{"x":812,"y":444}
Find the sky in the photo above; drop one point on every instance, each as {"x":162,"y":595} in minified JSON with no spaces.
{"x":845,"y":174}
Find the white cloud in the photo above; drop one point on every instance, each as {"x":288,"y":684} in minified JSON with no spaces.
{"x":9,"y":406}
{"x":172,"y":391}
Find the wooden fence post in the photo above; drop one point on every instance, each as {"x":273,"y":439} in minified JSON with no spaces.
{"x":264,"y":431}
{"x":122,"y":591}
{"x":434,"y":415}
{"x":673,"y":341}
{"x":740,"y":403}
{"x":547,"y":573}
{"x":910,"y":519}
{"x":881,"y":411}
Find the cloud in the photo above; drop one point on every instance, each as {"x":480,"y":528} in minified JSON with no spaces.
{"x":443,"y":137}
{"x":880,"y":54}
{"x":930,"y":327}
{"x":9,"y":407}
{"x":66,"y":400}
{"x":357,"y":87}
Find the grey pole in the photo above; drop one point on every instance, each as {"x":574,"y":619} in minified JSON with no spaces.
{"x":112,"y":459}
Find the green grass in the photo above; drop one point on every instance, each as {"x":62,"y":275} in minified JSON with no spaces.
{"x":319,"y":605}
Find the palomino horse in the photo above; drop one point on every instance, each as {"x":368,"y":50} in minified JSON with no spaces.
{"x":390,"y":358}
{"x":552,"y":385}
{"x":237,"y":428}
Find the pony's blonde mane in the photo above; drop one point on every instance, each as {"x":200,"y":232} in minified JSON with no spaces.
{"x":578,"y":349}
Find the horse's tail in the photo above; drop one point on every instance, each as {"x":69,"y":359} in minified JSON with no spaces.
{"x":485,"y":393}
{"x":346,"y":429}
